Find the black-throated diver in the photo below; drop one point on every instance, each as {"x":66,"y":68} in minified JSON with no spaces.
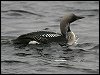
{"x":66,"y":36}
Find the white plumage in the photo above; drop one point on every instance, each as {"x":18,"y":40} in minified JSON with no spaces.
{"x":71,"y":38}
{"x":33,"y":42}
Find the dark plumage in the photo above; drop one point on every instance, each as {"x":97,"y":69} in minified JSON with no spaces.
{"x":40,"y":36}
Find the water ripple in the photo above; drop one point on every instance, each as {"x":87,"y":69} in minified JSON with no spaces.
{"x":12,"y":62}
{"x":18,"y":12}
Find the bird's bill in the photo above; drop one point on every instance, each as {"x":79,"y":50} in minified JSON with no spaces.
{"x":80,"y":17}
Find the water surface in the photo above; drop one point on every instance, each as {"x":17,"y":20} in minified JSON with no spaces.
{"x":20,"y":17}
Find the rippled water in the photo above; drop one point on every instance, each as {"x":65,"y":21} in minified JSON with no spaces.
{"x":20,"y":17}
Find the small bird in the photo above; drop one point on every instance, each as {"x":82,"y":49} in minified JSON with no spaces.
{"x":44,"y":37}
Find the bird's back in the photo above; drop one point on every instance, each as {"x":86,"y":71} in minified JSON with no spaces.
{"x":39,"y":36}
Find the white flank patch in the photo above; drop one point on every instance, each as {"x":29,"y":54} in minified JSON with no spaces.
{"x":33,"y":42}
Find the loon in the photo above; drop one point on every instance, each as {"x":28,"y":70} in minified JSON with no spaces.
{"x":66,"y":36}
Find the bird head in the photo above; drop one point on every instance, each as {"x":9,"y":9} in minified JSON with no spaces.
{"x":66,"y":20}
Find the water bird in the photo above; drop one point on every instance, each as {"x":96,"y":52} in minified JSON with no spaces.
{"x":43,"y":37}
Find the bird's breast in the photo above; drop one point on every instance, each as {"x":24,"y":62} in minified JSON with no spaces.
{"x":71,"y":38}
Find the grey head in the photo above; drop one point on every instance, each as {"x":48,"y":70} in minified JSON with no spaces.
{"x":65,"y":22}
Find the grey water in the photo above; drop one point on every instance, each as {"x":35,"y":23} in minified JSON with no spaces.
{"x":21,"y":17}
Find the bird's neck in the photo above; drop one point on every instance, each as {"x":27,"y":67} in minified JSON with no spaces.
{"x":65,"y":28}
{"x":69,"y":30}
